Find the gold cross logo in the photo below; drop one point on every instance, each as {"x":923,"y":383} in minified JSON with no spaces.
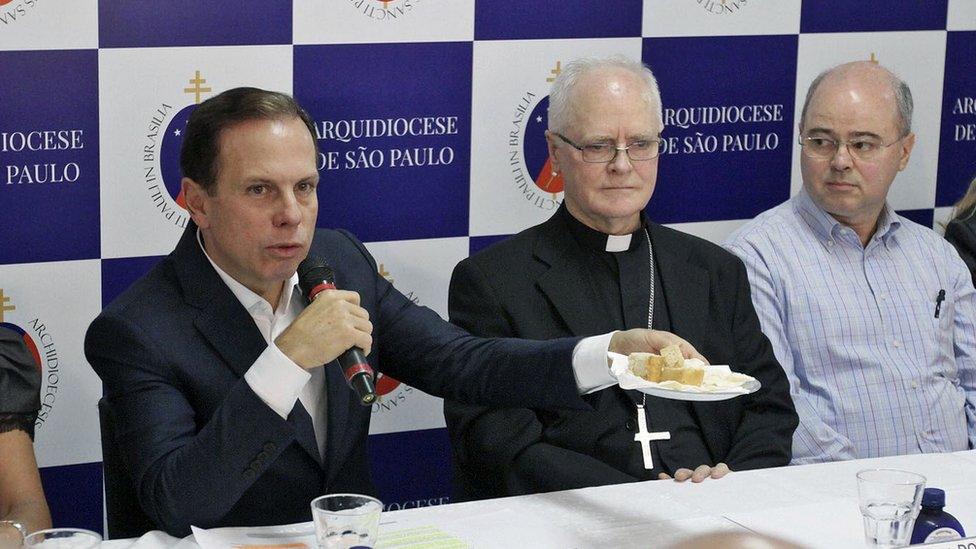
{"x":197,"y":88}
{"x":384,"y":273}
{"x":873,"y":59}
{"x":555,"y":71}
{"x":3,"y":305}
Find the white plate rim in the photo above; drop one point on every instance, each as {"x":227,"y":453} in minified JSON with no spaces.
{"x":752,"y":386}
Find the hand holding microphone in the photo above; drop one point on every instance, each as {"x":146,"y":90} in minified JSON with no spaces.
{"x":332,"y":326}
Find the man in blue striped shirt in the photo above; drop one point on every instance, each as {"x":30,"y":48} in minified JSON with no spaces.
{"x":870,"y":314}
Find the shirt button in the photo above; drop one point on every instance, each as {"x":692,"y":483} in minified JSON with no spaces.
{"x":629,"y":425}
{"x":830,"y":242}
{"x":914,"y":385}
{"x":896,"y":343}
{"x":883,"y":296}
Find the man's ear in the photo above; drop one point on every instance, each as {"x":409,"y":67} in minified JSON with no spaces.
{"x":197,"y":202}
{"x":907,"y":144}
{"x":552,"y":151}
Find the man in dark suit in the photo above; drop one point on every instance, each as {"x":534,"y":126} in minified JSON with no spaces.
{"x":212,"y":362}
{"x":599,"y":265}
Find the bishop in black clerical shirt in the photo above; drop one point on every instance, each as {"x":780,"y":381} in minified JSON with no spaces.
{"x":592,"y":267}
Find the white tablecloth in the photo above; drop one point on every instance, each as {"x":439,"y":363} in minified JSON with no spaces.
{"x":813,"y":505}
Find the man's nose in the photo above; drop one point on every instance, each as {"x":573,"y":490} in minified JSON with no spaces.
{"x":621,"y":161}
{"x":842,"y":159}
{"x":289,"y":211}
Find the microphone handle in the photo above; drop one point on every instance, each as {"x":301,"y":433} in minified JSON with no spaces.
{"x":359,"y":374}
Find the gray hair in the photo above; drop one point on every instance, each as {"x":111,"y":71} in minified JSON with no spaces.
{"x":901,"y":91}
{"x":561,"y":96}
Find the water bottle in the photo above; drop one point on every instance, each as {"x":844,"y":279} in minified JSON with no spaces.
{"x":933,"y":524}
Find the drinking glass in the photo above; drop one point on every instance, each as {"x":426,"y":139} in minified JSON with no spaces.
{"x":346,"y":520}
{"x":63,"y":538}
{"x":889,"y":500}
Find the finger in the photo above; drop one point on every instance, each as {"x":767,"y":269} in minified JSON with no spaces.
{"x":337,"y":295}
{"x":365,"y":342}
{"x":663,"y":476}
{"x":701,"y":473}
{"x":682,"y":475}
{"x":360,"y":333}
{"x":688,"y":351}
{"x":720,"y":471}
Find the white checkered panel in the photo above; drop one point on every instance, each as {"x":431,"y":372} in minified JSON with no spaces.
{"x":94,"y":95}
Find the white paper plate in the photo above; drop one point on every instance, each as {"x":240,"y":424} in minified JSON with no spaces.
{"x":628,"y":380}
{"x":750,"y":387}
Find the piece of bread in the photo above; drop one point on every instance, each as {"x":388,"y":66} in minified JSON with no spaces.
{"x":675,"y":368}
{"x":646,"y":365}
{"x":693,"y":375}
{"x":672,"y":357}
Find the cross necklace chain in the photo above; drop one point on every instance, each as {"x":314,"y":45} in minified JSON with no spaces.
{"x":643,"y":435}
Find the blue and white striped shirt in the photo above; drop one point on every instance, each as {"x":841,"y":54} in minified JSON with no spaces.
{"x":872,"y":371}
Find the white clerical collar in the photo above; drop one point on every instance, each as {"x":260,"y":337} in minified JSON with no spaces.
{"x":618,"y":243}
{"x":245,"y":295}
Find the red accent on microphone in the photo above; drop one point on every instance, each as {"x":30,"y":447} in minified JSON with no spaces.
{"x":320,"y":288}
{"x":358,"y":368}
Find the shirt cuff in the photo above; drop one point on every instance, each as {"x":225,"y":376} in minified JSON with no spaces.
{"x":276,"y":380}
{"x":590,"y":364}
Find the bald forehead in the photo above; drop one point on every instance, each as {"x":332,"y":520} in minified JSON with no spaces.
{"x":609,"y":84}
{"x":854,"y":85}
{"x":609,"y":80}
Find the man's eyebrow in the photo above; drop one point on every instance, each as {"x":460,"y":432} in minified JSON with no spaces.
{"x":852,"y":134}
{"x":865,"y":134}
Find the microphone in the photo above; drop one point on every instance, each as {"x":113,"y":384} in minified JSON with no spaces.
{"x":314,"y":276}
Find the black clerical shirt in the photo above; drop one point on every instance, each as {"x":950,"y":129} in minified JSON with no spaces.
{"x":619,"y":282}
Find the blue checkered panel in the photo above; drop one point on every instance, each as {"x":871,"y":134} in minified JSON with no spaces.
{"x":430,"y":117}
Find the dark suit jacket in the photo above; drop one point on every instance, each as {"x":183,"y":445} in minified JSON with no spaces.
{"x":961,"y":233}
{"x":203,"y":449}
{"x":534,"y":286}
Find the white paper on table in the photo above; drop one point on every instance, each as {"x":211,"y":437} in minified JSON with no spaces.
{"x":502,"y":528}
{"x":719,"y":378}
{"x":288,"y":536}
{"x":155,"y":539}
{"x":828,"y":524}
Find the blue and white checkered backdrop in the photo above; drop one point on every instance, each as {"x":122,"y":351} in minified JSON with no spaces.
{"x":430,"y":115}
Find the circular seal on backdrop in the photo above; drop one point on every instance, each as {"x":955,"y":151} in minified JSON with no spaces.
{"x":169,"y":154}
{"x":536,"y":152}
{"x":385,"y":384}
{"x":28,"y":341}
{"x":384,"y":10}
{"x":721,"y":7}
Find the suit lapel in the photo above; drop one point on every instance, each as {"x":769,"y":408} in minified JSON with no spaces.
{"x":221,"y":319}
{"x":565,"y":282}
{"x":226,"y":324}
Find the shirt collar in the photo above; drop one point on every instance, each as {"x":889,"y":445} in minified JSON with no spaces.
{"x":598,"y":241}
{"x":828,"y":229}
{"x":250,"y":300}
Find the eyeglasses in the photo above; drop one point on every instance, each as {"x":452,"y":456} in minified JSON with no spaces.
{"x":642,"y":149}
{"x":866,"y":148}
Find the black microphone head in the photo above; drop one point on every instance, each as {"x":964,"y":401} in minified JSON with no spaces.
{"x":312,"y":271}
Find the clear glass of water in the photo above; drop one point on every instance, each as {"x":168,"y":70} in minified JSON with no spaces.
{"x":345,"y":521}
{"x":63,"y":538}
{"x":889,"y":500}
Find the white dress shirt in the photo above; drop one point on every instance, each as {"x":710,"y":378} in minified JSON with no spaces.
{"x":279,"y":382}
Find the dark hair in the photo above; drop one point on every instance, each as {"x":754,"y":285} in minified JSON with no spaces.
{"x":201,"y":139}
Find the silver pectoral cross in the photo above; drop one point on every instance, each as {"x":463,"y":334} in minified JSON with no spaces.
{"x":645,"y":437}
